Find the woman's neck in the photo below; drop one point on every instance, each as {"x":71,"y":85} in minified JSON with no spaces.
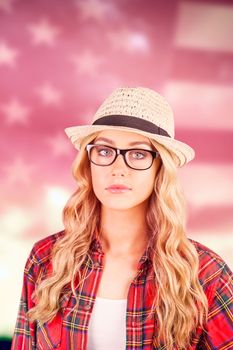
{"x":123,"y":232}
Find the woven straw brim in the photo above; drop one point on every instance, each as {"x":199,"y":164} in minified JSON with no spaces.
{"x":184,"y":152}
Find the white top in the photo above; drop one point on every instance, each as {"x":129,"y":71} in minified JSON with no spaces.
{"x":107,"y":327}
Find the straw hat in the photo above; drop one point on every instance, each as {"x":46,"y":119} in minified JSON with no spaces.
{"x":140,"y":110}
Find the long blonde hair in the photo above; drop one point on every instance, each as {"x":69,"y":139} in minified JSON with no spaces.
{"x":180,"y":302}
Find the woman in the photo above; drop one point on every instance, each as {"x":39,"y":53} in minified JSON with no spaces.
{"x":123,"y":274}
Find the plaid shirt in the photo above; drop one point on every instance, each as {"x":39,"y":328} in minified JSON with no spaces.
{"x":69,"y":328}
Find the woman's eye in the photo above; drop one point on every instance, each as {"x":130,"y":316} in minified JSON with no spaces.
{"x":138,"y":155}
{"x":105,"y":152}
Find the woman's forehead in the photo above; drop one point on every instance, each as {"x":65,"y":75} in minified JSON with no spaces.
{"x":115,"y":135}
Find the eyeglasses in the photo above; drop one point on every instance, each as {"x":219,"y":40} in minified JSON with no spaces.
{"x":138,"y":159}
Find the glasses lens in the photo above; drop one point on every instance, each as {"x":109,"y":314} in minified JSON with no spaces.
{"x":102,"y":155}
{"x":139,"y":159}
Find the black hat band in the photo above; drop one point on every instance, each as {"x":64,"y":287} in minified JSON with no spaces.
{"x":131,"y":122}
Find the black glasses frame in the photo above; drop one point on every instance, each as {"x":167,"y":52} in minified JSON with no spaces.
{"x":119,"y":151}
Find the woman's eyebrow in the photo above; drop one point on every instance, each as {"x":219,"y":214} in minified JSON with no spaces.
{"x":135,"y":143}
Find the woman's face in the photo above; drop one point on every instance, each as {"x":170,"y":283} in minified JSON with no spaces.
{"x":140,"y":183}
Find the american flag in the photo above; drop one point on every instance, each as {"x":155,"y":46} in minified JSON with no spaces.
{"x":59,"y":60}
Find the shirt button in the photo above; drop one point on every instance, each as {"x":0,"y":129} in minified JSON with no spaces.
{"x":87,"y":307}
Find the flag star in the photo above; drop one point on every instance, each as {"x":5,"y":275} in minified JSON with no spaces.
{"x":95,"y":9}
{"x":59,"y":144}
{"x":18,"y":171}
{"x":86,"y":63}
{"x":43,"y":32}
{"x":7,"y":54}
{"x":129,"y":41}
{"x":15,"y":112}
{"x":6,"y":5}
{"x":49,"y":95}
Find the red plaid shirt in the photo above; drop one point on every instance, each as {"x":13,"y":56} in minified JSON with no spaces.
{"x":69,"y":329}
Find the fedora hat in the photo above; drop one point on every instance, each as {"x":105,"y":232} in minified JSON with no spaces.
{"x":140,"y":110}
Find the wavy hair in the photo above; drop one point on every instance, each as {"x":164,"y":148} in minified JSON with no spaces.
{"x":180,"y":304}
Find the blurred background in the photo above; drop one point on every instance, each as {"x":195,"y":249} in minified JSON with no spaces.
{"x":59,"y":60}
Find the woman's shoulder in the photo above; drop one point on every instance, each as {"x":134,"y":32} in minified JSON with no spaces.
{"x":212,"y":266}
{"x":45,"y":245}
{"x":43,"y":248}
{"x":205,"y":253}
{"x":39,"y":259}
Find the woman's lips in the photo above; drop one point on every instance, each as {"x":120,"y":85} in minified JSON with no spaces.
{"x":118,"y":189}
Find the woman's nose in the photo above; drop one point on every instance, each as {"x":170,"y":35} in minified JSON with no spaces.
{"x":119,"y":166}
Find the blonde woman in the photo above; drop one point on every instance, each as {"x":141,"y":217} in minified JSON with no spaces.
{"x":123,"y":274}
